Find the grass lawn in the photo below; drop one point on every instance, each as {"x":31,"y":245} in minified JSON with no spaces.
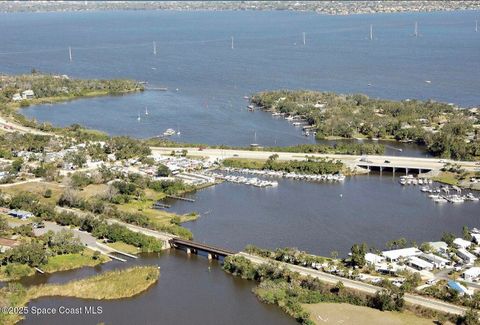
{"x":73,"y":261}
{"x":123,"y":247}
{"x":332,"y":313}
{"x":38,"y":188}
{"x":15,"y":271}
{"x":93,"y":190}
{"x":446,"y":178}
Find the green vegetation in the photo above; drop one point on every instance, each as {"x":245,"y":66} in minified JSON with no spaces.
{"x":444,"y":130}
{"x":52,"y":88}
{"x":15,"y":271}
{"x":116,"y":284}
{"x":121,"y":246}
{"x":289,"y":290}
{"x":74,"y":261}
{"x":338,"y":148}
{"x":309,"y":166}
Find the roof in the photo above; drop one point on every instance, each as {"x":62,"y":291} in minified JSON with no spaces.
{"x":438,"y":244}
{"x":466,"y":253}
{"x":434,"y":258}
{"x":8,"y":242}
{"x":473,"y":271}
{"x":420,"y":263}
{"x":404,"y":252}
{"x":373,"y":258}
{"x":457,"y":286}
{"x":460,"y":242}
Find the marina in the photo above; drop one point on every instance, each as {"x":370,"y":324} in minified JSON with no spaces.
{"x":440,"y":194}
{"x":289,"y":175}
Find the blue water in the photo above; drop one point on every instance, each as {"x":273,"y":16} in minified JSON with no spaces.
{"x":194,"y":55}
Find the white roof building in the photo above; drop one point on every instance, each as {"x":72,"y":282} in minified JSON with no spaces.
{"x":420,"y":264}
{"x":396,"y":254}
{"x":471,"y":274}
{"x":16,"y":97}
{"x":461,"y":243}
{"x":466,"y":256}
{"x":439,"y":246}
{"x":476,"y":238}
{"x":437,"y":261}
{"x":28,"y":94}
{"x":371,"y":258}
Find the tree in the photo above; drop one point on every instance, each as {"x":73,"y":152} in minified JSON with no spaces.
{"x":448,"y":237}
{"x":358,"y":254}
{"x":33,"y":254}
{"x":48,"y":193}
{"x":466,"y":233}
{"x":471,"y":317}
{"x":388,"y":300}
{"x":163,"y":171}
{"x":64,"y":242}
{"x":16,"y":165}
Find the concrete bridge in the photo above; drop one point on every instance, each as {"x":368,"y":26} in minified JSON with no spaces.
{"x":390,"y":163}
{"x":193,"y":247}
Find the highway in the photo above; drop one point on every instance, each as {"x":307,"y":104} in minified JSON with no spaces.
{"x":348,"y":160}
{"x":364,"y":287}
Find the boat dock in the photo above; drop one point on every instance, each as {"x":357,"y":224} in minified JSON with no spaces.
{"x":180,"y":198}
{"x":159,"y":205}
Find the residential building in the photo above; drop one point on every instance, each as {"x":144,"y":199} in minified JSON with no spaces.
{"x":461,"y":243}
{"x":419,"y":264}
{"x":439,"y":247}
{"x":466,"y":256}
{"x":437,"y":261}
{"x":404,"y":253}
{"x":28,"y":94}
{"x":472,"y":274}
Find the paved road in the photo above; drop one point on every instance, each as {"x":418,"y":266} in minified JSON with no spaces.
{"x":86,"y":238}
{"x":410,"y":162}
{"x":364,"y":287}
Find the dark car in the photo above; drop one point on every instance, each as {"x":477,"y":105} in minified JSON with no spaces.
{"x":387,"y":161}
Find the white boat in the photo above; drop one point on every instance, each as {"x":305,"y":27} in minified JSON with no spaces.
{"x":455,"y":199}
{"x":471,"y":197}
{"x":146,"y":110}
{"x":425,"y":189}
{"x":138,"y":117}
{"x":439,"y":200}
{"x":169,"y":132}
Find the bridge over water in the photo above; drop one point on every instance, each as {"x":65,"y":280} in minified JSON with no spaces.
{"x":192,"y":247}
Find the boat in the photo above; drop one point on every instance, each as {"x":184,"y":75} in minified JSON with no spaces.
{"x":251,"y":108}
{"x":455,"y":199}
{"x":425,"y":189}
{"x":146,"y":110}
{"x":138,"y":117}
{"x":246,"y":97}
{"x":439,"y":199}
{"x":428,"y":81}
{"x":169,"y":132}
{"x":471,"y":197}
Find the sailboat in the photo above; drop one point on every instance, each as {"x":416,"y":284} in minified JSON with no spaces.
{"x":146,"y":110}
{"x":254,"y":144}
{"x":178,"y":130}
{"x":139,"y":118}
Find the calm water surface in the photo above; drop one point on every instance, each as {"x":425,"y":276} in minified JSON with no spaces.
{"x":194,"y":56}
{"x":190,"y":290}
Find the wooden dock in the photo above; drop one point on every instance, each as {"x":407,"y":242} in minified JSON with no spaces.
{"x":180,"y":198}
{"x":159,"y":205}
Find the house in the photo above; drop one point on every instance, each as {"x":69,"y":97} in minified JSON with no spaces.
{"x":404,"y":253}
{"x":471,"y":274}
{"x":6,"y":244}
{"x":28,"y":94}
{"x":466,"y":256}
{"x":459,"y":288}
{"x":437,"y":261}
{"x":419,"y":264}
{"x":440,"y":247}
{"x":23,"y":215}
{"x":16,"y":97}
{"x":461,"y":243}
{"x":373,"y":259}
{"x":476,"y":238}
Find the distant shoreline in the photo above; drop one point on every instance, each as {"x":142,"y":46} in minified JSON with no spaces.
{"x":339,"y":7}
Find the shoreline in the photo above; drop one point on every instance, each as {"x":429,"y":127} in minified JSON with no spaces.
{"x":335,"y":8}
